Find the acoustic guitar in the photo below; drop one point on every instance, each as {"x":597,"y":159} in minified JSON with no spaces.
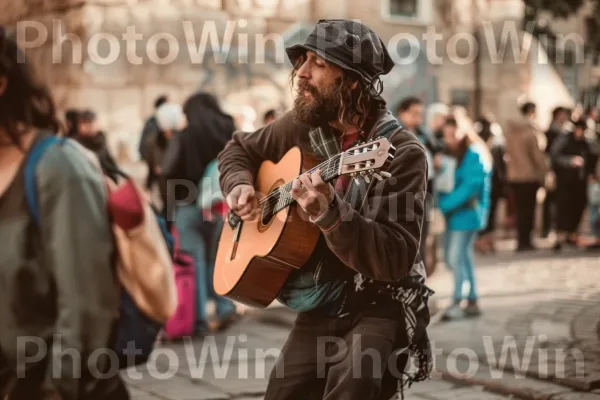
{"x":255,"y":258}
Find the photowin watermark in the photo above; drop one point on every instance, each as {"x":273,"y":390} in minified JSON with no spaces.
{"x":199,"y":360}
{"x":235,"y":359}
{"x":273,"y":205}
{"x":230,"y":41}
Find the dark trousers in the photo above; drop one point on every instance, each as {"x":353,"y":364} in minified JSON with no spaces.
{"x":525,"y":199}
{"x":548,"y":216}
{"x":337,"y":358}
{"x":571,"y":202}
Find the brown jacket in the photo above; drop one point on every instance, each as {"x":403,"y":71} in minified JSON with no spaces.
{"x":382,"y":240}
{"x":525,"y":145}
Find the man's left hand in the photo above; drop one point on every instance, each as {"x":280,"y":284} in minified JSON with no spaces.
{"x":312,"y":193}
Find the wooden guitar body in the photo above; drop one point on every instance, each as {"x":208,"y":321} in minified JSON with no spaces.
{"x":254,"y":271}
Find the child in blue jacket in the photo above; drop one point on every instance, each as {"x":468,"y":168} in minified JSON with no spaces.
{"x":466,"y":208}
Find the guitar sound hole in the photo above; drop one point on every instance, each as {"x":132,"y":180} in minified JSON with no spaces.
{"x":267,"y":217}
{"x":268,"y":210}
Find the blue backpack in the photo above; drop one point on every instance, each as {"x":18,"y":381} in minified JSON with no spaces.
{"x":133,"y":327}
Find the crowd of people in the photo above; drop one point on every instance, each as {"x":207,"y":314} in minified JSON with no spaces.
{"x":179,"y":143}
{"x":473,"y":165}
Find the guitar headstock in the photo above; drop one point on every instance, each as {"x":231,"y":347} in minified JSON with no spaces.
{"x":367,"y":159}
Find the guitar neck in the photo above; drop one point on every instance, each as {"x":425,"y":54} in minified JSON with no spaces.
{"x":282,"y":196}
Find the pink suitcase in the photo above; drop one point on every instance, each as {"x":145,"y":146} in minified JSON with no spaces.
{"x":182,"y":322}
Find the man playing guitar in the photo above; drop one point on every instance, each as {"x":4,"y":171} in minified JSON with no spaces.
{"x":361,"y":297}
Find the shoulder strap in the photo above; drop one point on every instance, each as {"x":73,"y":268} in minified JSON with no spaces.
{"x":36,"y":152}
{"x":388,"y":128}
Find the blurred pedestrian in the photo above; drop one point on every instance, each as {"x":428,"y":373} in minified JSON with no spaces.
{"x":57,"y":282}
{"x":149,"y":132}
{"x":411,"y":114}
{"x":170,"y":119}
{"x":560,"y":116}
{"x":189,"y":152}
{"x":484,"y":127}
{"x":435,"y":119}
{"x":95,"y":140}
{"x":71,"y":122}
{"x":573,"y":160}
{"x":594,"y":198}
{"x":591,"y":120}
{"x":526,"y":170}
{"x":466,"y":210}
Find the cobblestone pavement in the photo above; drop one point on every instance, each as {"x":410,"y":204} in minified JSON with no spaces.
{"x":236,"y":366}
{"x":541,"y":316}
{"x":537,"y":339}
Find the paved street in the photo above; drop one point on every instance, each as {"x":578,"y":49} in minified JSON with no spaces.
{"x":537,"y":339}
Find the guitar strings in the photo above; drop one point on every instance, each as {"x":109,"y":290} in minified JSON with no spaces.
{"x":283,"y":195}
{"x":273,"y":198}
{"x":330,"y":165}
{"x":330,"y":168}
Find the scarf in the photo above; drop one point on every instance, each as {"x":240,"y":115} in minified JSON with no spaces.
{"x":410,"y":292}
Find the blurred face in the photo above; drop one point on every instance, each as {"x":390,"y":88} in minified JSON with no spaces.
{"x":413,"y":117}
{"x":562,"y":118}
{"x":451,"y":137}
{"x":579,"y":133}
{"x":318,"y":81}
{"x":87,"y":128}
{"x":437,"y":122}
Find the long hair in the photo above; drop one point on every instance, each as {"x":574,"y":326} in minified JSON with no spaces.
{"x":25,"y":103}
{"x":353,"y":104}
{"x":470,"y":137}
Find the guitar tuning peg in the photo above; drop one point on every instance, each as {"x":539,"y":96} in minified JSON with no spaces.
{"x":367,"y":179}
{"x":377,"y":176}
{"x":385,"y":174}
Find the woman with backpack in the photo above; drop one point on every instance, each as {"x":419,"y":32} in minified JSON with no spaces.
{"x":58,"y":295}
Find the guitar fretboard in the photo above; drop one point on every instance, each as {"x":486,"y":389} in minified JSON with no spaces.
{"x":281,"y":197}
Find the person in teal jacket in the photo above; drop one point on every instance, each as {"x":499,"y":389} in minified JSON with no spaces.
{"x":466,"y":208}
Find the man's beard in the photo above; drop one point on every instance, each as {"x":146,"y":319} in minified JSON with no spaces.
{"x":318,"y":109}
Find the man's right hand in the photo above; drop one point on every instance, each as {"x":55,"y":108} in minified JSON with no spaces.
{"x":243,"y":201}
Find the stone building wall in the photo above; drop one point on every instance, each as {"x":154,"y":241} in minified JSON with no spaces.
{"x":122,"y":92}
{"x":88,"y":63}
